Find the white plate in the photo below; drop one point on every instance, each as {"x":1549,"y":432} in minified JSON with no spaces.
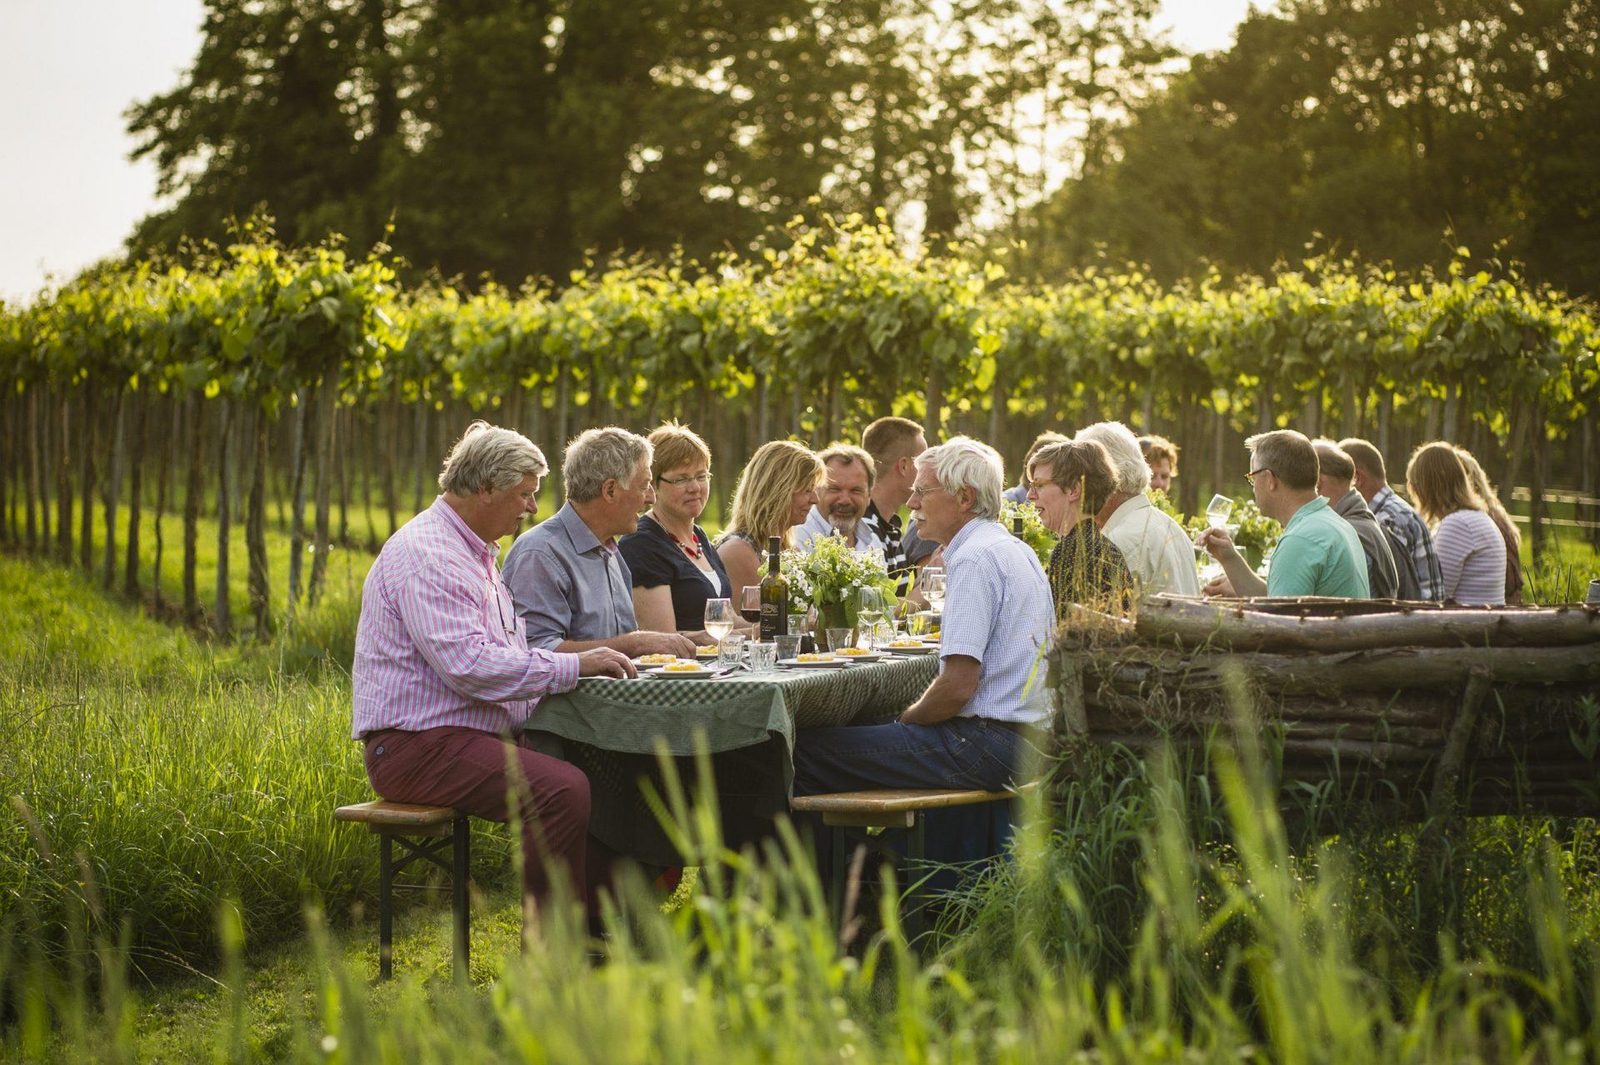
{"x":922,"y":649}
{"x":699,"y":674}
{"x":829,"y":663}
{"x":875,"y":656}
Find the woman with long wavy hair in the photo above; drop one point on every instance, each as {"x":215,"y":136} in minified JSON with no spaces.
{"x":1472,"y":553}
{"x":776,"y":490}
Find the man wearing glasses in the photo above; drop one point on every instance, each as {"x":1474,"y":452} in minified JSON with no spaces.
{"x":1318,"y":553}
{"x":443,"y":679}
{"x":970,"y":727}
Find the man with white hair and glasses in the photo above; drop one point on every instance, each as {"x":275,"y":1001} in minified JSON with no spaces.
{"x":1158,"y":552}
{"x":970,"y":728}
{"x":571,"y":584}
{"x":444,"y":680}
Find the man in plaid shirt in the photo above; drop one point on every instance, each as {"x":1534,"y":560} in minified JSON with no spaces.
{"x":1397,"y":516}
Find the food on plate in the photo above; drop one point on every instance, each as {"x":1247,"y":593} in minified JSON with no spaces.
{"x":684,"y":667}
{"x":657,"y":659}
{"x":905,"y":641}
{"x":823,"y":656}
{"x":706,"y":652}
{"x":854,"y":652}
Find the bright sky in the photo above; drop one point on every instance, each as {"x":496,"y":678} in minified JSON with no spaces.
{"x":69,"y":69}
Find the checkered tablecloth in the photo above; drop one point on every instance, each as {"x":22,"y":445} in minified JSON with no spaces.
{"x":611,"y":730}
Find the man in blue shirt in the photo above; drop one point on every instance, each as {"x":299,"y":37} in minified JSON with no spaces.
{"x":970,"y":728}
{"x":1318,"y":553}
{"x":570,"y":583}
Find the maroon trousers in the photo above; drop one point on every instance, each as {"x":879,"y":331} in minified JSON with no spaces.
{"x":472,"y":770}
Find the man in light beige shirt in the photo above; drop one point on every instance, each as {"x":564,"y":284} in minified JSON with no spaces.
{"x":1159,"y":553}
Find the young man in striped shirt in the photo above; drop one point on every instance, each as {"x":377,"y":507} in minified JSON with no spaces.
{"x":444,"y":679}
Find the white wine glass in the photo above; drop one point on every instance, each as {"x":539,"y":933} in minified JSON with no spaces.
{"x":1218,"y":511}
{"x":931,"y":584}
{"x":720,"y":618}
{"x":871,"y":608}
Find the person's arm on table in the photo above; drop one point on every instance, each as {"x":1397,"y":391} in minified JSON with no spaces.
{"x":605,"y":662}
{"x":652,"y":607}
{"x":948,"y":695}
{"x":635,"y":644}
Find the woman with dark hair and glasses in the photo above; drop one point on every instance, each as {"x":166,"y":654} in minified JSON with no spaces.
{"x":1069,"y":482}
{"x":674,"y":568}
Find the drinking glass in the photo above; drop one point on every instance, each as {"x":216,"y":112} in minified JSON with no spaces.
{"x":750,"y":602}
{"x":763,"y":656}
{"x":1218,"y":511}
{"x":788,"y":646}
{"x":838,"y":639}
{"x":719,"y":618}
{"x":872,"y":606}
{"x":730,"y":652}
{"x":931,"y":584}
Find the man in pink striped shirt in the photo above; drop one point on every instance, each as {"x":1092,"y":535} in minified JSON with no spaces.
{"x":444,"y":679}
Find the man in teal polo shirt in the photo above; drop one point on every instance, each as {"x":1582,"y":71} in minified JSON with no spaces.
{"x":1318,"y":553}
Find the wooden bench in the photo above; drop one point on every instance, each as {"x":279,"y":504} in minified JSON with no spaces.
{"x":425,"y":832}
{"x":885,"y":809}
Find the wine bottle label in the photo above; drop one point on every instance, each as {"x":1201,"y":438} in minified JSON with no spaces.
{"x":774,"y":620}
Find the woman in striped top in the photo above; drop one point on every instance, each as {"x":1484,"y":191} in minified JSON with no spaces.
{"x":1502,"y":520}
{"x":1472,"y":553}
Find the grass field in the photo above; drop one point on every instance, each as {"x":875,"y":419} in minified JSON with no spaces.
{"x":174,"y":888}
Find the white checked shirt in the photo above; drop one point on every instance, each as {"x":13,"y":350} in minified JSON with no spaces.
{"x":439,"y":642}
{"x":997,"y":609}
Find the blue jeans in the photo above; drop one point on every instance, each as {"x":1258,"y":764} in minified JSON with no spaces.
{"x":963,"y":752}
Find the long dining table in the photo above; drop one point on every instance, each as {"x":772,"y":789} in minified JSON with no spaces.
{"x":613,"y":730}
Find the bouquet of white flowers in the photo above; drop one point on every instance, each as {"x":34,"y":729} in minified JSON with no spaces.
{"x":830,"y":573}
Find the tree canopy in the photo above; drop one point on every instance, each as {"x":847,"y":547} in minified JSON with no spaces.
{"x":1398,"y":129}
{"x":517,"y":137}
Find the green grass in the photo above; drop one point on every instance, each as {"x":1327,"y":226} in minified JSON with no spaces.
{"x":154,"y":779}
{"x":1235,"y":949}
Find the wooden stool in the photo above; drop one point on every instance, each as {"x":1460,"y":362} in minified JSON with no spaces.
{"x":439,"y":828}
{"x":886,"y":808}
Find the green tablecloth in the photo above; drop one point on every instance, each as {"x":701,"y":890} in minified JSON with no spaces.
{"x":610,"y":729}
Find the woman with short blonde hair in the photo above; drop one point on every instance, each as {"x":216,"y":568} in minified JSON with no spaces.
{"x":673,"y":568}
{"x":776,"y":490}
{"x":1472,"y":553}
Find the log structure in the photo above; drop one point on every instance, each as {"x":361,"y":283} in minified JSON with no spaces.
{"x":1447,"y":710}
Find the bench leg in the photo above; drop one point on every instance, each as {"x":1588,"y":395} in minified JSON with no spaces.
{"x":461,"y":840}
{"x":385,"y":907}
{"x":838,"y":876}
{"x":913,"y":867}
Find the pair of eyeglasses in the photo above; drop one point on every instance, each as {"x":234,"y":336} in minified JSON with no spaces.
{"x":679,"y":482}
{"x":919,"y":490}
{"x":508,"y":618}
{"x":1250,"y":478}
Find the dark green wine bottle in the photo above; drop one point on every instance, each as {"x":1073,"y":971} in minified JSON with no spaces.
{"x":774,"y":595}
